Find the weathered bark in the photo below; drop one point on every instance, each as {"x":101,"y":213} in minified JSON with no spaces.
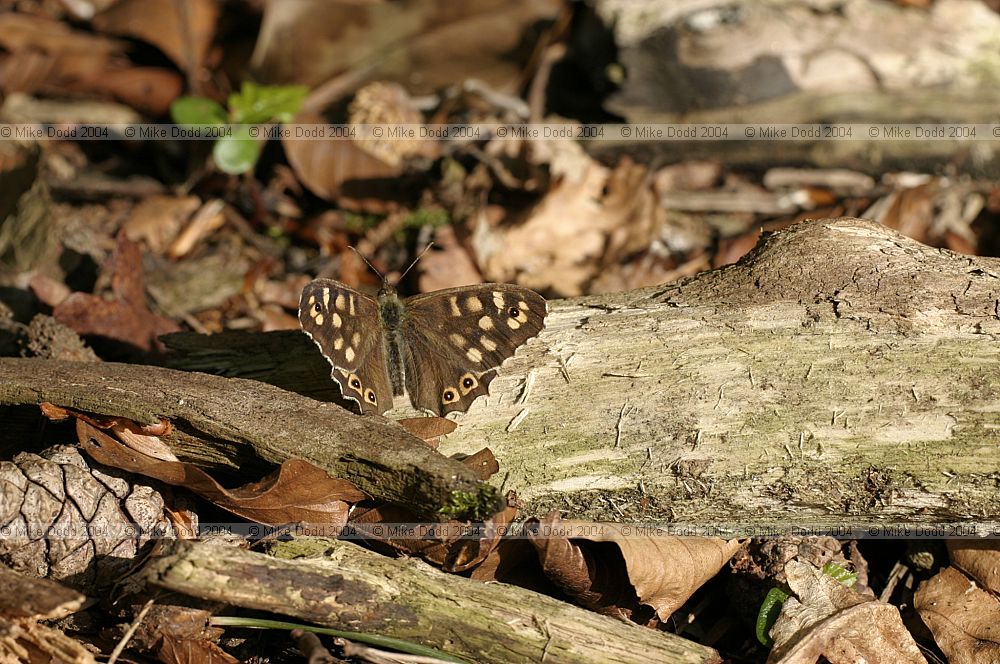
{"x":344,"y":586}
{"x":840,"y":375}
{"x":232,"y":422}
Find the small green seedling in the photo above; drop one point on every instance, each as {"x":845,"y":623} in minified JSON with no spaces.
{"x":236,"y":151}
{"x":770,"y":608}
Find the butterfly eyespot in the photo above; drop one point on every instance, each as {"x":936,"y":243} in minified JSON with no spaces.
{"x":468,"y":382}
{"x":513,"y":312}
{"x":317,"y":307}
{"x":449,"y":396}
{"x":355,"y":383}
{"x":370,"y":395}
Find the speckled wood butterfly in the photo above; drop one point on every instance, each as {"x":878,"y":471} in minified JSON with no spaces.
{"x":443,"y":348}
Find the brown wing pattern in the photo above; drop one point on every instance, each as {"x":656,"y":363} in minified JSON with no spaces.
{"x":345,"y":325}
{"x":456,"y":339}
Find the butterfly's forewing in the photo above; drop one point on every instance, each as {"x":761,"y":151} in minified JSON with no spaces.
{"x":456,"y":339}
{"x":345,"y":325}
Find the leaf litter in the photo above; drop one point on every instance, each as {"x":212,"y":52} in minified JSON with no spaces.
{"x":150,"y":255}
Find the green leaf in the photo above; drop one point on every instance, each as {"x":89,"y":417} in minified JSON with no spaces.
{"x":840,"y":574}
{"x":262,"y":103}
{"x":238,"y":153}
{"x":197,"y":111}
{"x":775,"y":599}
{"x":770,"y":608}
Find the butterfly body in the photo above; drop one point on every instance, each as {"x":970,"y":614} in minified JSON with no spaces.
{"x":442,"y":348}
{"x":392,"y":313}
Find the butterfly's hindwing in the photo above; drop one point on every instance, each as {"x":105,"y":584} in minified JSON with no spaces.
{"x":345,"y":325}
{"x":456,"y":339}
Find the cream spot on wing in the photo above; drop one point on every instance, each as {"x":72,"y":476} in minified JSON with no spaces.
{"x":338,"y":343}
{"x":485,"y":323}
{"x":312,"y":300}
{"x":457,"y":339}
{"x":356,"y":339}
{"x":336,"y":320}
{"x":473,"y":304}
{"x":522,"y":317}
{"x":498,"y":299}
{"x":343,"y":372}
{"x":453,"y":301}
{"x":513,"y":323}
{"x":488,"y":344}
{"x":326,"y":298}
{"x":350,"y":302}
{"x":474,"y":355}
{"x":318,"y":318}
{"x":349,"y":354}
{"x":339,"y":302}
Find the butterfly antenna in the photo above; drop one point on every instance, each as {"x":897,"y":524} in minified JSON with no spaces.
{"x":369,"y":263}
{"x":426,"y":249}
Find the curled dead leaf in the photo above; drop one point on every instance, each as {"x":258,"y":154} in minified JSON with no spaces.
{"x":827,"y":619}
{"x":964,"y":619}
{"x":661,"y":571}
{"x":297,"y":492}
{"x":428,"y":429}
{"x":979,"y":558}
{"x":324,"y":166}
{"x":183,"y":32}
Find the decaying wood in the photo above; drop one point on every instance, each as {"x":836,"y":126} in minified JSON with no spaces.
{"x":344,"y":586}
{"x":231,"y":422}
{"x":840,"y":375}
{"x":804,"y":62}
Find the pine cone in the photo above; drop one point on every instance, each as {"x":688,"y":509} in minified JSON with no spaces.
{"x":62,"y":519}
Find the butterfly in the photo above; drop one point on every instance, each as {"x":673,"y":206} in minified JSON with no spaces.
{"x":442,"y":348}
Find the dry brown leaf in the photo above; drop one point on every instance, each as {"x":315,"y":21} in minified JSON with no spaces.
{"x":661,"y":572}
{"x":324,"y":166}
{"x":126,"y":318}
{"x":180,"y":634}
{"x":590,"y":216}
{"x":980,"y":559}
{"x":206,"y":220}
{"x":448,"y":265}
{"x":297,"y":492}
{"x":48,"y":56}
{"x":515,"y":561}
{"x":911,"y":211}
{"x":471,"y":552}
{"x":158,"y":219}
{"x":964,"y":618}
{"x":428,"y":429}
{"x":827,"y":619}
{"x":482,"y":463}
{"x":429,"y":44}
{"x":189,"y":651}
{"x":182,"y":30}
